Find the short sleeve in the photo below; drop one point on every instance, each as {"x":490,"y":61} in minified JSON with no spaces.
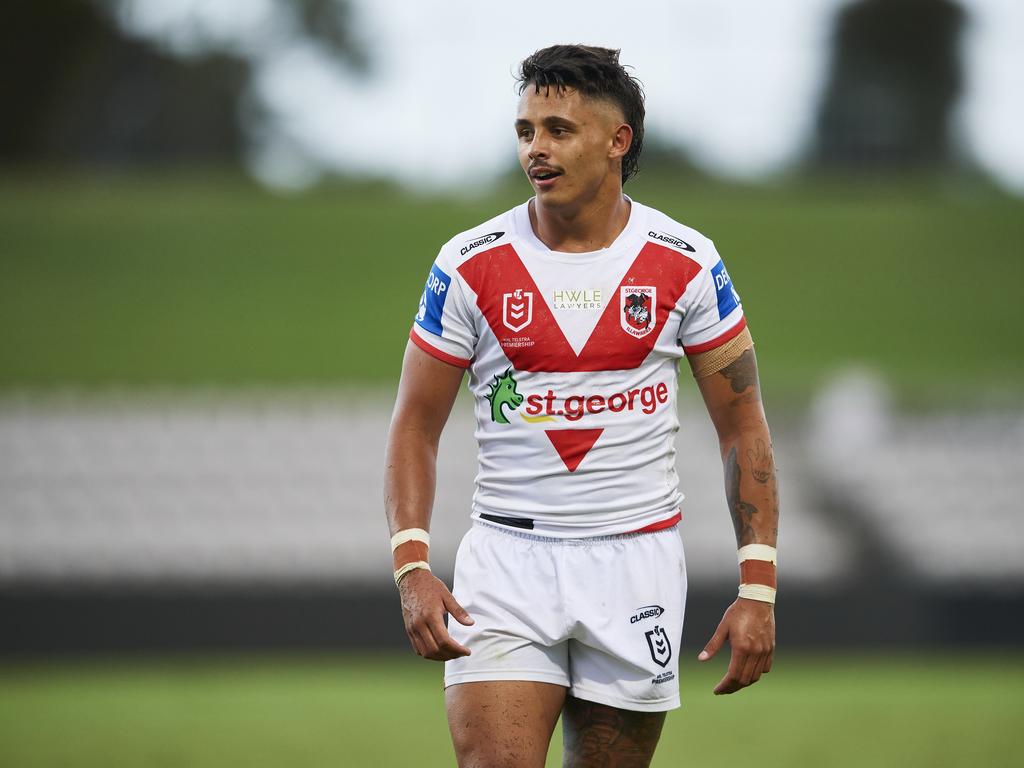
{"x":714,"y":314}
{"x":444,"y":325}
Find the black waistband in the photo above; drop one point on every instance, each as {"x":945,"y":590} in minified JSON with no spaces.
{"x":513,"y":522}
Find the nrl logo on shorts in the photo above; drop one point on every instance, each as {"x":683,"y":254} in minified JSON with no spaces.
{"x":637,"y":304}
{"x":661,"y":649}
{"x":517,"y":309}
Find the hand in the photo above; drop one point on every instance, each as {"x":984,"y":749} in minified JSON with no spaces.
{"x":425,"y":599}
{"x":749,"y":625}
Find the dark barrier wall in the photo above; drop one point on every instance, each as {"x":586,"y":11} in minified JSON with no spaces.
{"x":41,"y":623}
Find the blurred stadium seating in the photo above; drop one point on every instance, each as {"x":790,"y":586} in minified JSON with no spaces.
{"x":228,"y":488}
{"x":143,"y":489}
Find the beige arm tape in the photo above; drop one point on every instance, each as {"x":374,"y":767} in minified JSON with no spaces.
{"x":714,"y":360}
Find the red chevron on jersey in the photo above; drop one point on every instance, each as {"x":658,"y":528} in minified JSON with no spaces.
{"x":573,"y":445}
{"x":534,"y":341}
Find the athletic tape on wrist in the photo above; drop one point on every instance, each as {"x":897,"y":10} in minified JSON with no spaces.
{"x":409,"y":568}
{"x":410,"y":550}
{"x":757,"y":552}
{"x":757,"y":592}
{"x":409,"y":534}
{"x":758,"y":572}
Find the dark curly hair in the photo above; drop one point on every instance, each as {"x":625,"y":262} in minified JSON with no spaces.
{"x":596,"y":73}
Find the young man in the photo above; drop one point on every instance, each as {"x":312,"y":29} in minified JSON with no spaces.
{"x":571,"y":313}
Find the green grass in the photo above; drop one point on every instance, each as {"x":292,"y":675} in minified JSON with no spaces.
{"x":192,"y":281}
{"x":381,"y":711}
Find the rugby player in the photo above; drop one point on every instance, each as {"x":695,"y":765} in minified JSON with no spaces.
{"x":571,"y":313}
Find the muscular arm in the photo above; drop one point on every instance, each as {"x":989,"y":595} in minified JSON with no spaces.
{"x":733,"y":399}
{"x":426,"y":393}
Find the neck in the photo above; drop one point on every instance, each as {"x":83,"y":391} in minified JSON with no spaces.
{"x":586,"y":227}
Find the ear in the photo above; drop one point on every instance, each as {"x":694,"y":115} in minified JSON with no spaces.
{"x":622,"y":140}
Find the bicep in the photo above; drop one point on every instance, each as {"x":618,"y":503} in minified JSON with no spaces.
{"x":732,"y":395}
{"x":426,"y":393}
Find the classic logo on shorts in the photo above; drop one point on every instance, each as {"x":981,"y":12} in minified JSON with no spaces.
{"x":503,"y":393}
{"x":661,"y":649}
{"x":637,"y":303}
{"x":517,"y":309}
{"x":647,"y":612}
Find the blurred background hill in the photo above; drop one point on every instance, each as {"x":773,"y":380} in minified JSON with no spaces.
{"x":215,"y":220}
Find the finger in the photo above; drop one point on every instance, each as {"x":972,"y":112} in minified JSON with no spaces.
{"x":731,"y":682}
{"x":455,"y":610}
{"x":768,"y":663}
{"x":746,"y":675}
{"x":752,"y":670}
{"x":714,"y":643}
{"x":427,"y":643}
{"x":414,"y":640}
{"x":758,"y":668}
{"x":447,"y":647}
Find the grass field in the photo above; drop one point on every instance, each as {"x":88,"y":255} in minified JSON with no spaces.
{"x":382,"y":711}
{"x":110,"y":281}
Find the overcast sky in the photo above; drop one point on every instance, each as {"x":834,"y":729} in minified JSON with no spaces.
{"x":733,"y":82}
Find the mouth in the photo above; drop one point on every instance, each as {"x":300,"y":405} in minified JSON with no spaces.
{"x":542,"y":176}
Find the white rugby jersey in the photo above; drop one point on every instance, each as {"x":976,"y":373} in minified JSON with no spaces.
{"x":573,"y":362}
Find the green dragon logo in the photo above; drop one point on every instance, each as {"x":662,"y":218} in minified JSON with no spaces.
{"x":502,"y":393}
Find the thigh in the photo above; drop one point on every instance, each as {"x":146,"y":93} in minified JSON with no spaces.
{"x":628,"y":600}
{"x":598,"y":735}
{"x":502,"y":723}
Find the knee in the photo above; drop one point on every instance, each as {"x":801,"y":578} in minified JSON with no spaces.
{"x":499,"y":752}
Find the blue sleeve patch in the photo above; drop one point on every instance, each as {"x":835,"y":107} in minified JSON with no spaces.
{"x":728,"y":299}
{"x":432,"y":302}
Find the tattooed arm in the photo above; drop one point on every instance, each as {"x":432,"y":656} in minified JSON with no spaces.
{"x":733,"y":399}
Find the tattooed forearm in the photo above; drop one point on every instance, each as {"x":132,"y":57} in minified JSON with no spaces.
{"x":742,"y":372}
{"x":761,"y":464}
{"x":742,"y":511}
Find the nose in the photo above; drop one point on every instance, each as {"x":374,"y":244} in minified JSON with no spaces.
{"x":538,"y":147}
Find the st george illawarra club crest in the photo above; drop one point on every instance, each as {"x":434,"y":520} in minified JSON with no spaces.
{"x":517,"y":309}
{"x":661,"y":649}
{"x":637,"y":305}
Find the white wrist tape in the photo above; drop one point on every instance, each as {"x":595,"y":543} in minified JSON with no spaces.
{"x":757,"y":552}
{"x":757,"y":592}
{"x":409,"y":534}
{"x":409,"y":567}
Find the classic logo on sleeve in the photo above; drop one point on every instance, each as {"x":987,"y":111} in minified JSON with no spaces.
{"x":728,"y":299}
{"x":636,"y":309}
{"x":432,"y":301}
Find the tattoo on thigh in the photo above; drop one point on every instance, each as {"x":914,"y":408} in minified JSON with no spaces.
{"x":599,"y":736}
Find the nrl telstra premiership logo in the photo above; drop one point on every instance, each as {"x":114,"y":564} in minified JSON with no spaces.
{"x":517,"y":309}
{"x":503,"y":393}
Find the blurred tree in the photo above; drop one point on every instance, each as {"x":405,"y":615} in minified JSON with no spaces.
{"x":80,"y":87}
{"x":893,"y":80}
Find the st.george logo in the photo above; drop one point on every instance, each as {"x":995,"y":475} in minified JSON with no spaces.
{"x":661,"y":649}
{"x":637,"y":306}
{"x":517,"y":309}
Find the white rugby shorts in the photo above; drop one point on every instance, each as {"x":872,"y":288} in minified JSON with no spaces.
{"x":601,"y":616}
